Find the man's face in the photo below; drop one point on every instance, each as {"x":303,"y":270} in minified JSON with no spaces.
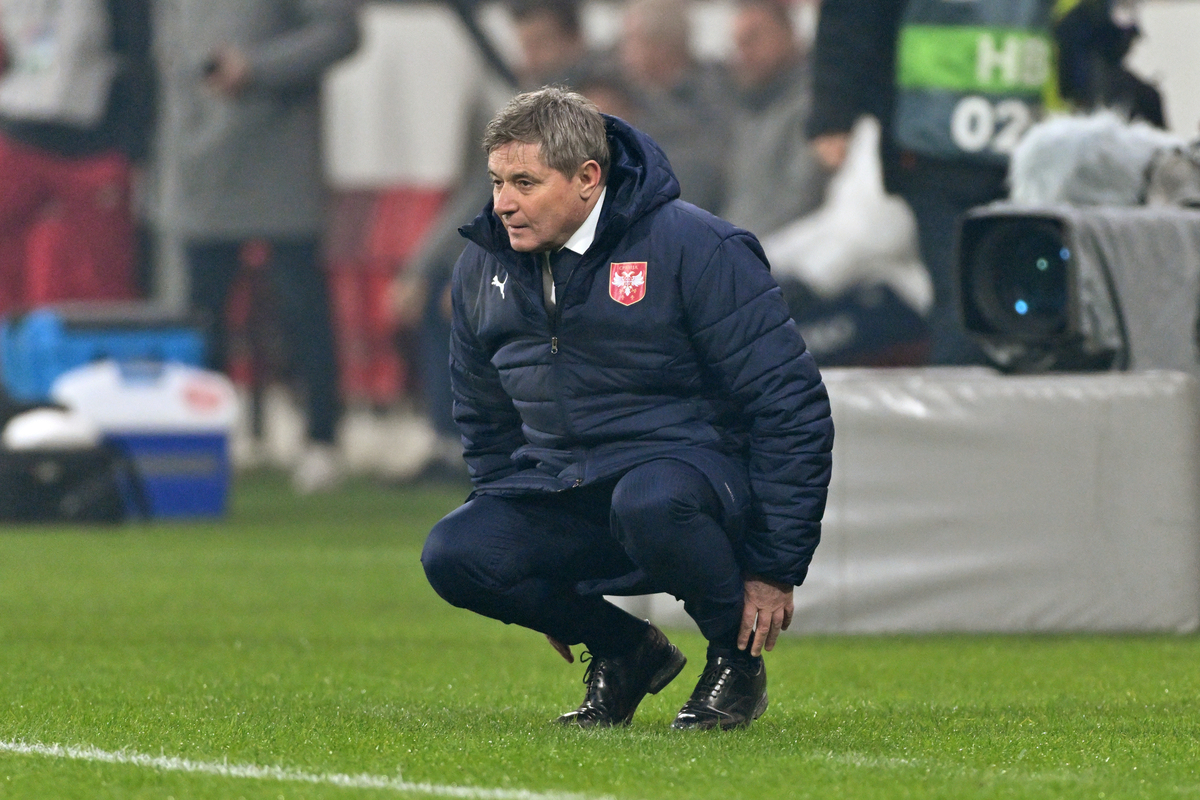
{"x":546,"y":48}
{"x":763,"y":47}
{"x":650,"y":58}
{"x":539,"y":206}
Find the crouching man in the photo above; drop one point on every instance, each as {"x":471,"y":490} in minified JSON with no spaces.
{"x":639,"y":414}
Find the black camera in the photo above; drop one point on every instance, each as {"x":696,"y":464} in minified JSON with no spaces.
{"x":1072,"y":288}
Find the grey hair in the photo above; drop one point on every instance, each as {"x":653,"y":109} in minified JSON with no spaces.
{"x":566,"y":125}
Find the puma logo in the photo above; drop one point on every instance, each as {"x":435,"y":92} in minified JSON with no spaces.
{"x":499,"y":284}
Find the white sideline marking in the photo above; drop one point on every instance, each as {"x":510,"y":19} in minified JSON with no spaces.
{"x":257,"y":772}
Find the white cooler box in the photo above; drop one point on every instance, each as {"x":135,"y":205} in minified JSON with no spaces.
{"x":174,"y":422}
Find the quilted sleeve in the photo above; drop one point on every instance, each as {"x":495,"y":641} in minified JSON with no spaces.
{"x":743,"y":331}
{"x":484,"y":413}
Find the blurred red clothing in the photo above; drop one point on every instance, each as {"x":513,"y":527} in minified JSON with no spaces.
{"x":66,"y":229}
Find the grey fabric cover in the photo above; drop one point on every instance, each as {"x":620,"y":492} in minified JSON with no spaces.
{"x":964,"y":500}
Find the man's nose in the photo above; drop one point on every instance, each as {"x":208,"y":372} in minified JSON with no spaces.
{"x":504,"y":200}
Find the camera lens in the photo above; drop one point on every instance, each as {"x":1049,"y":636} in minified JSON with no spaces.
{"x":1018,"y":278}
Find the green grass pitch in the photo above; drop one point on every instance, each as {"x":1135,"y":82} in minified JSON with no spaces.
{"x":295,"y":650}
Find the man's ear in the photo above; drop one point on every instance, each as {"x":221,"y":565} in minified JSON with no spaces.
{"x":589,"y":176}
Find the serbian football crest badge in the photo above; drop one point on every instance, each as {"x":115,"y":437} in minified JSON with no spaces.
{"x":627,"y":281}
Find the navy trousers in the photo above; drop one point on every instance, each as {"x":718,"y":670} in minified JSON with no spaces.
{"x":526,"y":560}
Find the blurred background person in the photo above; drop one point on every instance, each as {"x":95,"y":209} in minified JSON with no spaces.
{"x":946,"y":135}
{"x":1093,"y":38}
{"x":606,"y":88}
{"x":76,"y":113}
{"x":551,"y":49}
{"x":942,"y":171}
{"x":550,"y":40}
{"x":774,"y":176}
{"x":242,"y":175}
{"x":681,"y":103}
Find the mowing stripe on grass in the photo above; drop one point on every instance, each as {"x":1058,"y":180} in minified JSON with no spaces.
{"x":258,"y":772}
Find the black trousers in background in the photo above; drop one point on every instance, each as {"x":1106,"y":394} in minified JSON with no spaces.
{"x":302,"y":295}
{"x":521,"y":559}
{"x":939,"y":197}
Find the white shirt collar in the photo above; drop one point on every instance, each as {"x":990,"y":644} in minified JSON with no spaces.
{"x":582,"y":238}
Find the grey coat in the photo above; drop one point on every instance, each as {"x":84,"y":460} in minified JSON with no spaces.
{"x":774,"y":176}
{"x":251,"y":166}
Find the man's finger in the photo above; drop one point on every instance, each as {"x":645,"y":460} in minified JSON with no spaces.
{"x":788,"y":613}
{"x":761,"y":633}
{"x":777,"y":625}
{"x":561,"y":649}
{"x":749,"y":615}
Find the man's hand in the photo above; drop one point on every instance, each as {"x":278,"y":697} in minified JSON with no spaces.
{"x":831,"y":149}
{"x":561,"y":649}
{"x":766,"y":610}
{"x":407,"y":295}
{"x":228,"y":72}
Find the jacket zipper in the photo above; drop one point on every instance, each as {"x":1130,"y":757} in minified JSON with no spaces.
{"x":555,"y":321}
{"x":557,"y":318}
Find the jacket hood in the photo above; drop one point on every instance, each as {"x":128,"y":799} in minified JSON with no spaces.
{"x":640,"y":180}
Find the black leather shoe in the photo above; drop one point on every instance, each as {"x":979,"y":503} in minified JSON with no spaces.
{"x":731,"y":693}
{"x":616,"y":684}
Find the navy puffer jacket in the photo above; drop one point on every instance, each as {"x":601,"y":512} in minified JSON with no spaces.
{"x":707,"y":367}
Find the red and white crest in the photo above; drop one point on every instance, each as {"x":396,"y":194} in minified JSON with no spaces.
{"x":627,"y":281}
